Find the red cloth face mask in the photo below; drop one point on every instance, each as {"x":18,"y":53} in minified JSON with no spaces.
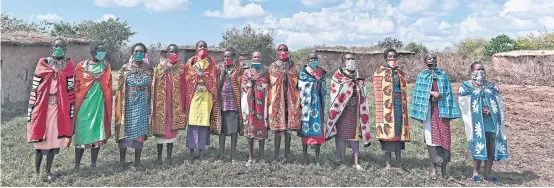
{"x":228,"y":62}
{"x":202,"y":53}
{"x":283,"y":55}
{"x":173,"y":58}
{"x":392,"y":63}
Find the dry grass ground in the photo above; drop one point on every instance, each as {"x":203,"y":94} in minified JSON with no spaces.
{"x":529,"y":118}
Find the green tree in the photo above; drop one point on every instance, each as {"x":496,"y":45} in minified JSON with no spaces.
{"x":390,"y":42}
{"x":11,"y":24}
{"x":63,"y":29}
{"x":247,"y":40}
{"x":114,"y":33}
{"x":419,"y":49}
{"x":500,"y":43}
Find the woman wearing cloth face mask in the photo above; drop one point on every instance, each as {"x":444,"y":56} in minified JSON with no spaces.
{"x":166,"y":101}
{"x":229,"y":78}
{"x":51,"y":106}
{"x":391,"y":108}
{"x":284,"y":102}
{"x":483,"y":114}
{"x":255,"y":82}
{"x":434,"y":105}
{"x":312,"y":83}
{"x":348,"y":120}
{"x":200,"y":96}
{"x":93,"y":104}
{"x":132,"y":105}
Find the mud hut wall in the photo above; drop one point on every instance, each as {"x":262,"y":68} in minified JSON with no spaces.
{"x":366,"y":63}
{"x":19,"y":63}
{"x":533,"y":70}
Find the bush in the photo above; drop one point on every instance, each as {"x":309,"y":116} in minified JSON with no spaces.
{"x":542,"y":41}
{"x":472,"y":49}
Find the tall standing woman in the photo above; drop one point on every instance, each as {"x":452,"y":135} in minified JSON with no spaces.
{"x":51,"y":106}
{"x":166,"y":101}
{"x":132,"y":104}
{"x":93,"y":109}
{"x":200,"y":96}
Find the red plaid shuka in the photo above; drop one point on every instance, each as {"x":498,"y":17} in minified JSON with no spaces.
{"x":440,"y":127}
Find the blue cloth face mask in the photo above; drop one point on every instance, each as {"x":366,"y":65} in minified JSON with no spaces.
{"x":256,"y":65}
{"x":100,"y":56}
{"x":314,"y":63}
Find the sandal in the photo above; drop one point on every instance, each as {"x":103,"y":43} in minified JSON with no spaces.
{"x":476,"y":179}
{"x":249,"y":163}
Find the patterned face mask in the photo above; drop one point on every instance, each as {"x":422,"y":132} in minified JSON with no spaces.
{"x":478,"y":76}
{"x":350,"y":64}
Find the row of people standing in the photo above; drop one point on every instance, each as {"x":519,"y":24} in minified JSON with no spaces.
{"x":205,"y":97}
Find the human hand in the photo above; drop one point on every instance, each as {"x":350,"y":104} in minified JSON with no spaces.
{"x":486,"y":111}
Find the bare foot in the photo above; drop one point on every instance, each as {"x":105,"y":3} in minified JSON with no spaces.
{"x":358,"y":167}
{"x":249,"y":163}
{"x":433,"y":175}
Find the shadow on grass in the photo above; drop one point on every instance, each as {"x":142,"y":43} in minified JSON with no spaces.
{"x":512,"y":178}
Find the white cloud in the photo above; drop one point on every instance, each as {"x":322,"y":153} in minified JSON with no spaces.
{"x":151,"y":5}
{"x":411,"y":6}
{"x":469,"y":25}
{"x":547,"y":22}
{"x":372,"y":25}
{"x":521,"y":24}
{"x":450,"y":4}
{"x":257,"y":1}
{"x":107,"y":17}
{"x":366,"y":4}
{"x":318,"y":2}
{"x":233,"y":9}
{"x":528,"y":8}
{"x":484,"y":7}
{"x":429,"y":22}
{"x":49,"y":17}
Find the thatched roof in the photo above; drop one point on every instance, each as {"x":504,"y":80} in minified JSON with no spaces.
{"x":25,"y":38}
{"x":193,"y":48}
{"x":366,"y":51}
{"x":523,"y":53}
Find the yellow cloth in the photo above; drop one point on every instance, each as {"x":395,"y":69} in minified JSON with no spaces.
{"x":201,"y":107}
{"x":202,"y":101}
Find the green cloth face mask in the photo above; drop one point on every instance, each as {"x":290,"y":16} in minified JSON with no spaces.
{"x":58,"y":52}
{"x":138,"y":57}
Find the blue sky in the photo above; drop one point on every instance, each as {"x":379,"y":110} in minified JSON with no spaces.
{"x":302,"y":23}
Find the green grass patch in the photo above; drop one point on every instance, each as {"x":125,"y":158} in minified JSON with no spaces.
{"x":18,"y":164}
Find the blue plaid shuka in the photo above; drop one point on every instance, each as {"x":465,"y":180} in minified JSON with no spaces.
{"x":448,"y":108}
{"x":137,"y":109}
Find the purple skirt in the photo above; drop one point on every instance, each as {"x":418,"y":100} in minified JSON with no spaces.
{"x":127,"y":143}
{"x":198,"y":137}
